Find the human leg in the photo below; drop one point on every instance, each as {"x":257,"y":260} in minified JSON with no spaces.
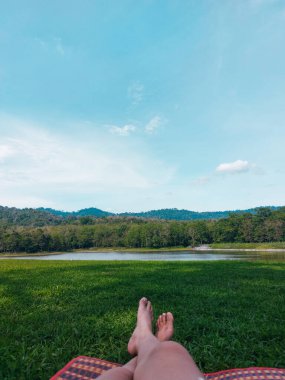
{"x":159,"y":360}
{"x":167,"y":361}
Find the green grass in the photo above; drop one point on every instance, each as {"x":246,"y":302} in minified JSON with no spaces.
{"x":260,"y":246}
{"x":227,"y":314}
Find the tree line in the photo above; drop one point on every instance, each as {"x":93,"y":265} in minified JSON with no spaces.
{"x":86,"y":232}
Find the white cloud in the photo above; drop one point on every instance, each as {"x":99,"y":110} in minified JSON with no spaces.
{"x":44,"y":159}
{"x":22,"y":201}
{"x":39,"y":165}
{"x":5,"y":151}
{"x":135,"y":92}
{"x":122,"y":131}
{"x":150,"y":128}
{"x":238,"y":166}
{"x":153,"y":124}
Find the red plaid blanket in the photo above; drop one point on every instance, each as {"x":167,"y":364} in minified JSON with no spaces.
{"x":84,"y":367}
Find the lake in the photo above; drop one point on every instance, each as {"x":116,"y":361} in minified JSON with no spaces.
{"x":160,"y":256}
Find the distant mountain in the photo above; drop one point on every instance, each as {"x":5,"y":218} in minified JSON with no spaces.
{"x":92,"y":211}
{"x":28,"y":217}
{"x":12,"y":216}
{"x":175,"y":214}
{"x":167,"y":214}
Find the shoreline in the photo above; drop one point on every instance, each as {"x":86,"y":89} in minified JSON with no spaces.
{"x":240,"y":249}
{"x":143,"y":250}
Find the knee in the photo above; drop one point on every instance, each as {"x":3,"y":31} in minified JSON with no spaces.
{"x":173,"y":348}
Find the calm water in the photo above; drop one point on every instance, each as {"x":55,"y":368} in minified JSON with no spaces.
{"x":168,"y":256}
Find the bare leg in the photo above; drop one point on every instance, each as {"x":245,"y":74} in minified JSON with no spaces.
{"x":127,"y":371}
{"x":159,"y":360}
{"x":120,"y":373}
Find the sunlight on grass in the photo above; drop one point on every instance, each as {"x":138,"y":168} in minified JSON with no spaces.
{"x":228,"y":314}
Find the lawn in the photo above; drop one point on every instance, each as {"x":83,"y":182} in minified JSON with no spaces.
{"x":227,"y":314}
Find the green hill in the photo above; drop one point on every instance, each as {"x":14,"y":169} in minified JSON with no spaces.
{"x":28,"y":217}
{"x":167,"y":214}
{"x":92,"y":211}
{"x":47,"y":216}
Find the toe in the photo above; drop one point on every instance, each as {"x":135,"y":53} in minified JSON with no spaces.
{"x":143,"y":301}
{"x":148,"y":306}
{"x":169,"y":316}
{"x":164,"y":318}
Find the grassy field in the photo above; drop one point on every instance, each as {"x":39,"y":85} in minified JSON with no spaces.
{"x":260,"y":246}
{"x":227,"y":314}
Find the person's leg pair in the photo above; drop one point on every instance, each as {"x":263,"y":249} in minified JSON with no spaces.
{"x":157,"y":357}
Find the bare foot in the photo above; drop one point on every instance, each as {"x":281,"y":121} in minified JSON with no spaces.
{"x":165,"y":327}
{"x":143,"y":328}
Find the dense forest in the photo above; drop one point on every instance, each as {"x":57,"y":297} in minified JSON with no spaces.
{"x":265,"y":225}
{"x":12,"y":216}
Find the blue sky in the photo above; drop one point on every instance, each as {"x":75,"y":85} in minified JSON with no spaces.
{"x":138,"y":105}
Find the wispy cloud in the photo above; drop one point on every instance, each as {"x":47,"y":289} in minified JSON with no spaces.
{"x":150,"y":127}
{"x":38,"y":164}
{"x":122,"y":131}
{"x":42,"y":158}
{"x":238,"y":166}
{"x":136,"y":92}
{"x":5,"y":152}
{"x":153,"y":124}
{"x":22,"y":201}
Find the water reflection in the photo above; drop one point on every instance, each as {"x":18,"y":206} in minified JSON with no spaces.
{"x":162,"y":256}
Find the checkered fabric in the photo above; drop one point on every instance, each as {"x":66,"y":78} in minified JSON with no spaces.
{"x":84,"y":368}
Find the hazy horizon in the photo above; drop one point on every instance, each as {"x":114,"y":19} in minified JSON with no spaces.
{"x":147,"y":210}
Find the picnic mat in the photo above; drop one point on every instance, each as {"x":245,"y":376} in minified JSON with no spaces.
{"x":84,"y":368}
